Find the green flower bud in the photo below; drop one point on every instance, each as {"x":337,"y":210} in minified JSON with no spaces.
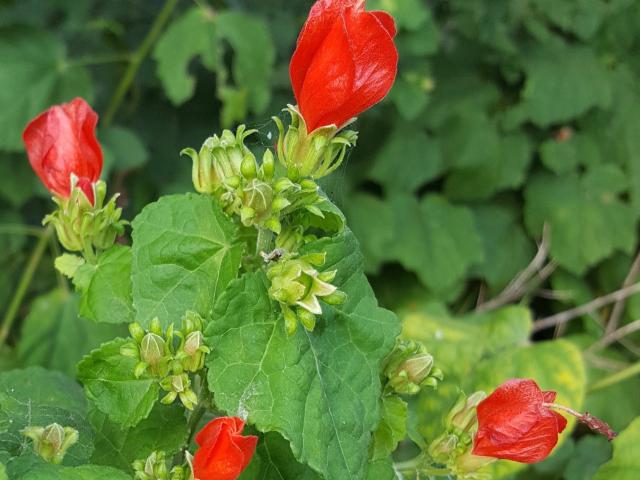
{"x":463,"y":417}
{"x":409,"y":368}
{"x":314,"y":154}
{"x":257,"y":196}
{"x":154,"y":467}
{"x":52,"y":442}
{"x":249,"y":168}
{"x":268,"y":165}
{"x":136,"y":331}
{"x":152,"y":349}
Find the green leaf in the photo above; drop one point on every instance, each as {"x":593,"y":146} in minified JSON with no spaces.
{"x":84,"y":472}
{"x":416,"y":152}
{"x":123,"y":150}
{"x":53,"y":336}
{"x":319,"y":389}
{"x":273,"y":460}
{"x":253,"y":61}
{"x":109,"y":382}
{"x":184,"y":255}
{"x":625,"y":463}
{"x":409,"y":14}
{"x":381,"y":469}
{"x":37,"y":397}
{"x":590,"y":452}
{"x":434,"y":239}
{"x":192,"y":34}
{"x":563,"y":82}
{"x":68,"y":264}
{"x":106,"y":287}
{"x":37,"y":59}
{"x":507,"y":249}
{"x":164,"y":429}
{"x":563,"y":157}
{"x":588,"y":219}
{"x":392,"y":428}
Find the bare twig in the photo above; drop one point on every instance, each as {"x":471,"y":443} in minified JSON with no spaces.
{"x":599,"y":302}
{"x":618,"y":308}
{"x":518,"y":287}
{"x":616,"y":335}
{"x":603,"y":363}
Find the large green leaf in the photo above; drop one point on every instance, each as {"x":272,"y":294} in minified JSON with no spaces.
{"x":319,"y":389}
{"x":392,"y":428}
{"x":184,"y":255}
{"x":84,"y":472}
{"x":110,"y":383}
{"x":588,"y":219}
{"x":106,"y":287}
{"x":34,"y":75}
{"x":625,"y":463}
{"x":53,"y":336}
{"x":164,"y":429}
{"x":37,"y":397}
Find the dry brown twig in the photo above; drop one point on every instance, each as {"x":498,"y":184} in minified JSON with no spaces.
{"x":618,"y":307}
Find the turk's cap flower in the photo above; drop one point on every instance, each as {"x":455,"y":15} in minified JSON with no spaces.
{"x":223,"y":451}
{"x":516,"y":423}
{"x":61,"y":143}
{"x":345,"y":62}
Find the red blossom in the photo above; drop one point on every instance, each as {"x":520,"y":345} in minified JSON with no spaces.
{"x":62,"y":141}
{"x":345,"y":62}
{"x":514,"y":423}
{"x":224,"y":452}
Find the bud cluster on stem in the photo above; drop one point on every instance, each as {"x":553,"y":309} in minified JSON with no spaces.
{"x":409,"y":368}
{"x":171,"y":362}
{"x":154,"y":467}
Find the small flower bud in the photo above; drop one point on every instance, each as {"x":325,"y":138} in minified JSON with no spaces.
{"x":463,"y":416}
{"x":136,"y":331}
{"x":156,"y":326}
{"x":268,"y":165}
{"x":410,"y":368}
{"x":52,"y":442}
{"x":152,"y":349}
{"x":248,"y":168}
{"x":307,"y":319}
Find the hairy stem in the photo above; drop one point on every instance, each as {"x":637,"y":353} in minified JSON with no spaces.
{"x":263,"y":242}
{"x":136,"y":60}
{"x":23,"y":284}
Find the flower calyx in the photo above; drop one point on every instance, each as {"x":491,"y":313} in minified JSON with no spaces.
{"x":409,"y":368}
{"x":154,"y":467}
{"x":83,"y":226}
{"x":152,"y":348}
{"x":311,"y":154}
{"x":298,"y":287}
{"x":51,"y":442}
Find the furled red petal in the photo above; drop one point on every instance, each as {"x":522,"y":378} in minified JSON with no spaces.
{"x":549,"y":396}
{"x":344,"y":63}
{"x":211,"y":430}
{"x":247,"y":444}
{"x":86,"y":186}
{"x":514,"y":424}
{"x":61,"y":141}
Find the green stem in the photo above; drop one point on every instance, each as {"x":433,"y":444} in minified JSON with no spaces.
{"x":263,"y":242}
{"x":618,"y":377}
{"x":23,"y":284}
{"x":417,"y":465}
{"x":136,"y":60}
{"x":204,"y":398}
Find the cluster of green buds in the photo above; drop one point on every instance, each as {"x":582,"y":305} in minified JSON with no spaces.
{"x":51,"y":442}
{"x":409,"y":368}
{"x":160,"y":356}
{"x":85,"y":227}
{"x":298,"y":287}
{"x":453,"y":447}
{"x":154,"y":467}
{"x":311,"y":155}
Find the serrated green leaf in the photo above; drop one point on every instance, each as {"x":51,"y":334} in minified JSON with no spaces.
{"x":191,"y":35}
{"x":164,"y":429}
{"x":110,"y":384}
{"x":392,"y":428}
{"x":319,"y":389}
{"x":68,"y":263}
{"x":563,"y":157}
{"x":434,"y":239}
{"x":37,"y":397}
{"x":588,"y":220}
{"x":184,"y":255}
{"x":106,"y":287}
{"x":417,"y":153}
{"x":625,"y":463}
{"x":273,"y":460}
{"x":34,"y":58}
{"x":53,"y":336}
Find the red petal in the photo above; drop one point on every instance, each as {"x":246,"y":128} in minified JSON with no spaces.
{"x":549,"y":396}
{"x":387,"y":22}
{"x":61,"y":141}
{"x":562,"y":422}
{"x":211,"y":431}
{"x":248,"y":446}
{"x":86,"y":186}
{"x":222,"y":460}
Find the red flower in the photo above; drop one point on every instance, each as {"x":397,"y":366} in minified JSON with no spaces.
{"x":515,"y":424}
{"x":345,"y":62}
{"x":224,"y":453}
{"x":62,"y":141}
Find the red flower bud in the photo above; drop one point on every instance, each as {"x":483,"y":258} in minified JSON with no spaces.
{"x":62,"y":142}
{"x":224,"y":453}
{"x":514,"y":423}
{"x":345,"y":62}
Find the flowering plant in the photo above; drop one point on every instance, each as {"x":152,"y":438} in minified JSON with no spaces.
{"x":248,"y":309}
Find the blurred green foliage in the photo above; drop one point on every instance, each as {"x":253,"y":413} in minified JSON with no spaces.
{"x":506,"y":115}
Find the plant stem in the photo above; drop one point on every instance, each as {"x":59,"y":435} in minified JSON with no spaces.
{"x":263,"y":242}
{"x":618,"y":377}
{"x":136,"y":60}
{"x":23,"y":284}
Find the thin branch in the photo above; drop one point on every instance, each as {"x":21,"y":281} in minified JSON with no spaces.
{"x":593,"y":305}
{"x":616,"y":335}
{"x":621,"y":376}
{"x":603,"y":363}
{"x":618,"y":308}
{"x":518,"y":286}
